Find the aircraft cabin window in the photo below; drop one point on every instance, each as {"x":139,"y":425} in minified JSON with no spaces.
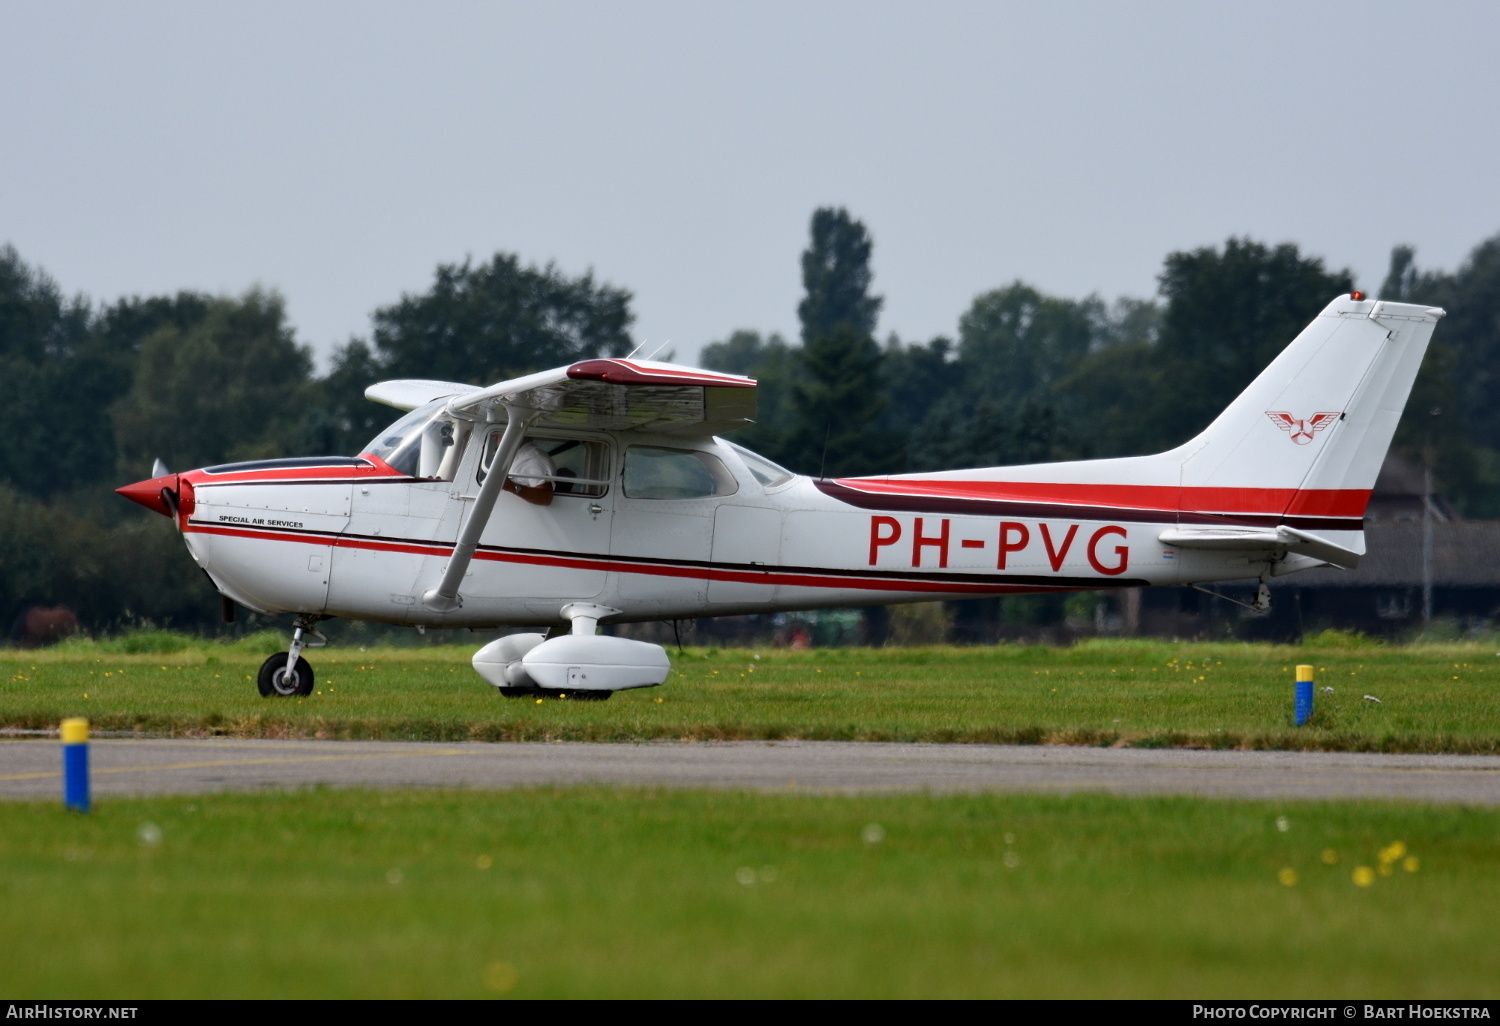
{"x":654,"y":473}
{"x":423,"y":444}
{"x":582,"y":466}
{"x":763,"y":470}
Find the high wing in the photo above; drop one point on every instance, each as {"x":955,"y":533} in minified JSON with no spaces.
{"x":620,"y":395}
{"x":409,"y":393}
{"x":604,"y":395}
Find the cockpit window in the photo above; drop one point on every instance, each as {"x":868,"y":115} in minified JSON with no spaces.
{"x":581,"y":466}
{"x":425,"y":443}
{"x":763,"y":470}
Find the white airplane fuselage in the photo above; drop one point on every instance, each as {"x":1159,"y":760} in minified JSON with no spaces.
{"x":361,"y":542}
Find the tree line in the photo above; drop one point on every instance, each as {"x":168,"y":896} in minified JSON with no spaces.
{"x":1029,"y":377}
{"x":92,"y":393}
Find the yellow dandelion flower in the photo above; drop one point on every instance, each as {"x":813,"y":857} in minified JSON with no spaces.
{"x":1364,"y":876}
{"x":500,"y":977}
{"x":1410,"y":864}
{"x":1287,"y":877}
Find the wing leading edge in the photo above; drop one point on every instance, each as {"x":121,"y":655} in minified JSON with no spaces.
{"x":409,"y":393}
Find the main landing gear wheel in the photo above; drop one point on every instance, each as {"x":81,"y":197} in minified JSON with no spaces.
{"x":572,"y":696}
{"x":584,"y":696}
{"x":275,"y":682}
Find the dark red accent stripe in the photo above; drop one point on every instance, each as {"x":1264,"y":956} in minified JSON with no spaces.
{"x":375,"y":469}
{"x":1058,"y":510}
{"x":1328,"y":502}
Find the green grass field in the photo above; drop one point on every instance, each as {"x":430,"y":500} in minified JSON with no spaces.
{"x":597,"y":892}
{"x":1433,"y":698}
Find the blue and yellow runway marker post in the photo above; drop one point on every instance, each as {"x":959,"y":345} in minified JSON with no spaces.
{"x":1303,"y":700}
{"x":75,"y":740}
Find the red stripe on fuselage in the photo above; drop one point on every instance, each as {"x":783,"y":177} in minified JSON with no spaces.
{"x":1325,"y":502}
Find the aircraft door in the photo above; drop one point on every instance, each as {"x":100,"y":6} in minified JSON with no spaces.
{"x":747,"y":545}
{"x":664,"y":525}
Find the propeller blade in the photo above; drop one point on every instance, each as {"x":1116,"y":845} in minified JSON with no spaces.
{"x":159,"y":469}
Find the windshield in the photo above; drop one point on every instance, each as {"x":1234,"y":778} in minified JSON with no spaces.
{"x":424,"y":443}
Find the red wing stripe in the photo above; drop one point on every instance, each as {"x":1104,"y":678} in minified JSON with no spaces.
{"x":623,"y":372}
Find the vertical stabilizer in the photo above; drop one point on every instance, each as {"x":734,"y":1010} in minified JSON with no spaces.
{"x":1299,"y":449}
{"x":1308,"y":435}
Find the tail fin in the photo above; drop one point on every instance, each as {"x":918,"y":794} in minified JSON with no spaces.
{"x":1298,"y":450}
{"x":1309,"y":434}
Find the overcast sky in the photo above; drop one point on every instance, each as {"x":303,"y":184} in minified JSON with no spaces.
{"x":339,"y":152}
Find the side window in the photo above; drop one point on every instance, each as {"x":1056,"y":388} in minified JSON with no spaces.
{"x":654,"y":473}
{"x":768,"y":474}
{"x":581,"y":466}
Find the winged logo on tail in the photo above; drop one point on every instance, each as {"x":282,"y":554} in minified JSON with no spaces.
{"x":1302,"y":430}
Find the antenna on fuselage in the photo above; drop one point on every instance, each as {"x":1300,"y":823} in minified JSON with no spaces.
{"x":637,"y":349}
{"x":659,"y":348}
{"x":823,"y":466}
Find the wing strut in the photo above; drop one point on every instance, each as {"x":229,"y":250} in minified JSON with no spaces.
{"x":444,"y":598}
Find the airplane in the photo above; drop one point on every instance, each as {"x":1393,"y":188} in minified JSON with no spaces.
{"x":648,"y":514}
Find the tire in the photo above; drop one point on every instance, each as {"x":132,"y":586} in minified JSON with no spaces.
{"x":571,"y":696}
{"x":582,"y":696}
{"x":272,"y":678}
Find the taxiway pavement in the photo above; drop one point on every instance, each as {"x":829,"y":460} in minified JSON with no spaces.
{"x":30,"y":768}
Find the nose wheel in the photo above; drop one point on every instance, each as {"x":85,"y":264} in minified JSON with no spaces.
{"x":277,"y":682}
{"x":286,"y":674}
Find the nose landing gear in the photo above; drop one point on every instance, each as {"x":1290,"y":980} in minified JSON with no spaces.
{"x":287,"y":674}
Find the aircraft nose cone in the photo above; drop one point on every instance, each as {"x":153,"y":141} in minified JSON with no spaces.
{"x":149,"y":493}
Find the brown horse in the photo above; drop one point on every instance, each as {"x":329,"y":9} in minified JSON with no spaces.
{"x":44,"y":625}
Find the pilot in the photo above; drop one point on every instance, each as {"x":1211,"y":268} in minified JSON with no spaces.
{"x":530,"y":473}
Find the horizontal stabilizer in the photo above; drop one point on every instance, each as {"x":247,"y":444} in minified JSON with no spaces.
{"x":1290,"y":539}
